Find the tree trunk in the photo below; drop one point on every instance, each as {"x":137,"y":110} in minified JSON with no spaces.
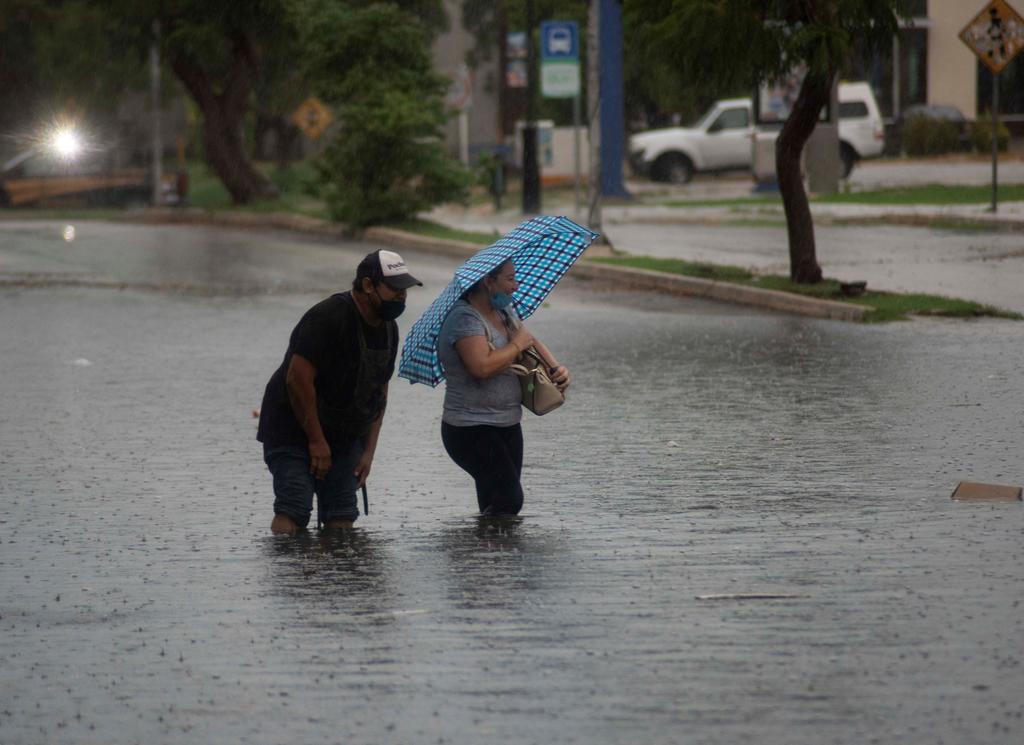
{"x":223,"y":115}
{"x":261,"y":129}
{"x":815,"y":92}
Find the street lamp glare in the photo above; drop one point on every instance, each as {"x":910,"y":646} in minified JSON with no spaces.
{"x":66,"y":143}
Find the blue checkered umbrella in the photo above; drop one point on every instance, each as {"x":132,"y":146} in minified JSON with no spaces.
{"x":543,"y":249}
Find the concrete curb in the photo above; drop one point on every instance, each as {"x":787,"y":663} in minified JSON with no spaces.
{"x":673,"y":284}
{"x":248,"y":220}
{"x":727,"y":292}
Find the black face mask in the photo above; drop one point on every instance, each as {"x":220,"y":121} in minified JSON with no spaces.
{"x":389,"y":310}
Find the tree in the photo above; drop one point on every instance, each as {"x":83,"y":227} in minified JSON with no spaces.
{"x":233,"y":58}
{"x":281,"y":85}
{"x":213,"y":47}
{"x":48,"y":67}
{"x":373,"y":65}
{"x":734,"y":43}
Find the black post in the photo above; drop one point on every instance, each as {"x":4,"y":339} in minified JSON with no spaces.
{"x":531,"y":168}
{"x":995,"y":140}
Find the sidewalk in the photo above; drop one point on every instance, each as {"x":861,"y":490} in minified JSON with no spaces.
{"x":899,"y":248}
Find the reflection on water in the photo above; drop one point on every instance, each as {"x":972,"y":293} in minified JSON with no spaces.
{"x":492,"y":560}
{"x":698,"y":454}
{"x":330,"y":568}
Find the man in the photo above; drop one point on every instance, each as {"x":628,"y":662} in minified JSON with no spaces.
{"x":323,"y":407}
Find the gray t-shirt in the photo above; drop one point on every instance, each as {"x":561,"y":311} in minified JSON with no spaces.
{"x":469,"y":401}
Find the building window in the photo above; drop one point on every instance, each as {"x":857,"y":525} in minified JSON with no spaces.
{"x":913,"y":67}
{"x":1011,"y":92}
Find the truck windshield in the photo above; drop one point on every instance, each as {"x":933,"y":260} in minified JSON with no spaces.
{"x":704,"y":119}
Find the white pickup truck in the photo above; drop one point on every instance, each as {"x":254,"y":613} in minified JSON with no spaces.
{"x":722,"y":139}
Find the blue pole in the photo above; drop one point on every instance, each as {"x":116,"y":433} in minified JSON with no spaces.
{"x":613,"y":125}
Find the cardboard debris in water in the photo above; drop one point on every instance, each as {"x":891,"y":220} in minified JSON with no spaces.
{"x":972,"y":491}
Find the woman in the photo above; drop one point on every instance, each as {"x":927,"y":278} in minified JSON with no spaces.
{"x":480,"y":339}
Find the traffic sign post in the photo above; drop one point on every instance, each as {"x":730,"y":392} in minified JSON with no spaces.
{"x":560,"y":77}
{"x":996,"y":36}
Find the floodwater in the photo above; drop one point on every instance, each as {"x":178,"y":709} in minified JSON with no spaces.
{"x":704,"y":451}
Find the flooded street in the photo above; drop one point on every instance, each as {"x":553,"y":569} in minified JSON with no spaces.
{"x":704,"y":451}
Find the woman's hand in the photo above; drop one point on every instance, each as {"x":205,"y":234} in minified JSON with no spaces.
{"x":560,"y":376}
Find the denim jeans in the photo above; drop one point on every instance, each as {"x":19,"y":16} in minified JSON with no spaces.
{"x":294,"y":485}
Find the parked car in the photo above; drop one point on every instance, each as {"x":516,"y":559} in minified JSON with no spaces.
{"x":722,"y":138}
{"x":37,"y":178}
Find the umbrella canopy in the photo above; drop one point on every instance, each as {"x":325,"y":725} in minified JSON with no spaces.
{"x":542,"y":248}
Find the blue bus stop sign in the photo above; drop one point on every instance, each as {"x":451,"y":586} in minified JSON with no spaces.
{"x":560,"y":41}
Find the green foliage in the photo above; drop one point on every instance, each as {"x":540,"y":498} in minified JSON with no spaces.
{"x":388,"y":162}
{"x":733,"y":44}
{"x":924,"y":135}
{"x":928,"y":194}
{"x":982,"y":134}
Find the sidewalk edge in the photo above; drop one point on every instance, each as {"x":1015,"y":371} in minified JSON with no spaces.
{"x":727,"y":292}
{"x":673,"y":284}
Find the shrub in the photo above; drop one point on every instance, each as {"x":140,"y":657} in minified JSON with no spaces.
{"x":983,"y":134}
{"x":388,"y":161}
{"x":923,"y":135}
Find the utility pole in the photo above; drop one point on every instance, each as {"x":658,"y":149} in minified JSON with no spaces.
{"x":531,"y":168}
{"x":613,"y":125}
{"x":594,"y":114}
{"x":154,"y":96}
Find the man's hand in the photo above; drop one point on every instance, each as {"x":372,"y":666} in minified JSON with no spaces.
{"x":362,"y":471}
{"x":319,"y":458}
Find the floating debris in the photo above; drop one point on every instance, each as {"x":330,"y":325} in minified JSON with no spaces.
{"x":748,"y":596}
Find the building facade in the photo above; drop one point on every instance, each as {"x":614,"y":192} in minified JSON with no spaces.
{"x":929,"y":64}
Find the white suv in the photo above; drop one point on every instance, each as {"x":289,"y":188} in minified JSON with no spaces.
{"x":722,"y":138}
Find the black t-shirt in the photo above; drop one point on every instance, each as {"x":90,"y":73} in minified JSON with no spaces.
{"x":327,"y":336}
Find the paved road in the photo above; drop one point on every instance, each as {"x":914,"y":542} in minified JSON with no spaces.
{"x":705,"y":450}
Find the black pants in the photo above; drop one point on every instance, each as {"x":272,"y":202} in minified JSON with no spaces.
{"x":493,"y":456}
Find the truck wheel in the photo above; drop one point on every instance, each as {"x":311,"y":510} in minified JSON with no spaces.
{"x":848,"y":159}
{"x":673,"y":168}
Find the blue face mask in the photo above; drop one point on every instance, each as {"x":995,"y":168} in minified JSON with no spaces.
{"x":501,"y":300}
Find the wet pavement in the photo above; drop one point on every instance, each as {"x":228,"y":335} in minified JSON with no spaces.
{"x":704,"y":451}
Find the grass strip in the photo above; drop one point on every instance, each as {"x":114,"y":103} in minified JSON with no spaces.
{"x":294,"y":181}
{"x":928,"y":194}
{"x":432,"y":229}
{"x":887,"y":306}
{"x":61,"y":213}
{"x":935,"y":194}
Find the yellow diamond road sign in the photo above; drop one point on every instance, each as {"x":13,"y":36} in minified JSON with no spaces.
{"x":312,"y":117}
{"x":996,"y":35}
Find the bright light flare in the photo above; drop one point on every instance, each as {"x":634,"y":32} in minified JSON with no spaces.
{"x":66,"y":143}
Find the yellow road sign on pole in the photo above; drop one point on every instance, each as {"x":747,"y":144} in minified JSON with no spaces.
{"x":996,"y":35}
{"x":312,"y":117}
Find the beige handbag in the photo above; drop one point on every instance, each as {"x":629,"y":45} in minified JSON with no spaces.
{"x":540,"y":394}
